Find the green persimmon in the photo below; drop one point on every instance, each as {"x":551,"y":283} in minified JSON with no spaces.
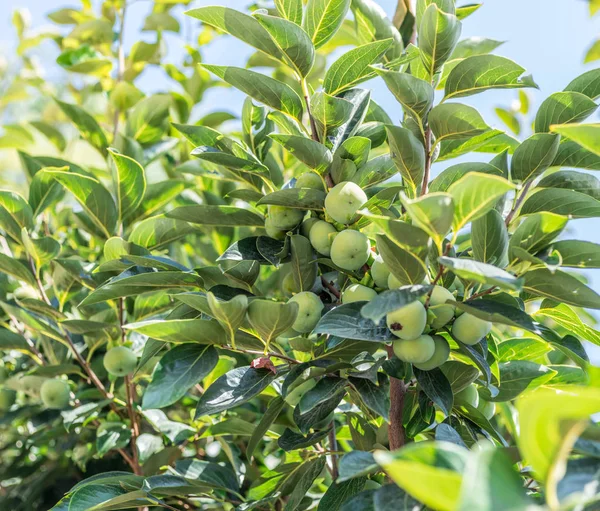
{"x":415,"y":351}
{"x":408,"y":322}
{"x":469,"y":329}
{"x":350,"y":250}
{"x":437,"y":304}
{"x":310,"y":307}
{"x":440,"y":354}
{"x":371,"y":485}
{"x":55,"y":394}
{"x":285,"y":218}
{"x":272,"y":231}
{"x":343,"y":201}
{"x":307,"y":226}
{"x":393,"y":282}
{"x":358,"y":293}
{"x":321,"y":236}
{"x":120,"y":361}
{"x":7,"y":399}
{"x":380,"y":272}
{"x":309,"y":180}
{"x":468,"y":395}
{"x":487,"y":408}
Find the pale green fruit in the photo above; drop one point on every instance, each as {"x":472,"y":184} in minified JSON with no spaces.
{"x":307,"y":226}
{"x":358,"y":293}
{"x":371,"y":485}
{"x":408,"y":322}
{"x":321,"y":236}
{"x":437,"y":304}
{"x":468,"y":396}
{"x":415,"y":351}
{"x":380,"y":272}
{"x":120,"y":361}
{"x":3,"y":374}
{"x":487,"y":408}
{"x":309,"y":311}
{"x":7,"y":399}
{"x":55,"y":394}
{"x":285,"y":218}
{"x":294,"y":396}
{"x":350,"y":250}
{"x":440,"y":355}
{"x":309,"y":180}
{"x":393,"y":282}
{"x":469,"y":329}
{"x":343,"y":201}
{"x":272,"y":231}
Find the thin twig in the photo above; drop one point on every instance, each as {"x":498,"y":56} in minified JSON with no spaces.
{"x":313,"y":126}
{"x":483,"y":293}
{"x":135,"y":427}
{"x":268,"y":354}
{"x":331,"y":288}
{"x":334,"y":447}
{"x":427,"y":161}
{"x":518,"y":203}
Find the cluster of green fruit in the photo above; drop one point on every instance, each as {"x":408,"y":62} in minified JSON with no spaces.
{"x":55,"y":393}
{"x":414,"y":324}
{"x":470,"y":396}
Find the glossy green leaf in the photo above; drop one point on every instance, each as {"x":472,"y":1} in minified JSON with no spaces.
{"x":438,"y":33}
{"x":290,"y":10}
{"x":15,"y":214}
{"x":130,"y":183}
{"x":562,"y":202}
{"x":433,"y":213}
{"x":560,"y":287}
{"x":313,"y":154}
{"x":450,"y":121}
{"x":563,"y":108}
{"x":216,"y":215}
{"x":323,"y":18}
{"x":414,"y":94}
{"x":408,"y":154}
{"x":481,"y":272}
{"x":86,"y":124}
{"x":489,"y":239}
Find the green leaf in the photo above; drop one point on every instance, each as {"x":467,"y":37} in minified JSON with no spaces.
{"x":414,"y":94}
{"x":93,"y":197}
{"x":570,"y":154}
{"x":300,"y":198}
{"x":239,"y":25}
{"x":269,"y":91}
{"x":372,"y":24}
{"x":429,"y":471}
{"x":536,"y":232}
{"x":158,"y":231}
{"x":275,"y":407}
{"x":325,"y":389}
{"x":563,"y":108}
{"x":438,"y":34}
{"x":347,"y":322}
{"x":303,"y":264}
{"x":86,"y":124}
{"x":290,"y":10}
{"x":314,"y":154}
{"x":12,"y":341}
{"x":572,"y":180}
{"x":391,"y":300}
{"x":588,"y":84}
{"x":16,"y":269}
{"x":112,"y":436}
{"x":149,"y":119}
{"x":484,"y":72}
{"x":42,"y":250}
{"x":481,"y":272}
{"x":178,"y":370}
{"x":130,"y":183}
{"x":270,"y":319}
{"x":339,"y":493}
{"x":450,"y":121}
{"x":489,"y":239}
{"x":433,"y":213}
{"x":323,"y":18}
{"x":474,"y":195}
{"x":474,"y":46}
{"x":124,"y":96}
{"x":355,"y":464}
{"x":491,"y":141}
{"x":44,"y":190}
{"x":217,"y":215}
{"x":232,"y":389}
{"x":120,"y":287}
{"x":406,"y":266}
{"x":229,"y":313}
{"x":180,"y":331}
{"x":85,"y":60}
{"x":560,"y":287}
{"x":310,"y":470}
{"x":353,"y":67}
{"x":517,"y":376}
{"x":15,"y":214}
{"x":408,"y":155}
{"x":452,"y":174}
{"x":566,"y":317}
{"x":294,"y":43}
{"x":578,"y":254}
{"x":437,"y":388}
{"x":329,"y":113}
{"x":586,"y":135}
{"x":562,"y":202}
{"x":104,"y":497}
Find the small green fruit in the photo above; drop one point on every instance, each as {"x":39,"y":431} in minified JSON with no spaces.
{"x":371,"y":485}
{"x":408,"y":322}
{"x":307,"y":226}
{"x":343,"y":201}
{"x":393,"y":282}
{"x":380,"y":272}
{"x":7,"y":399}
{"x":272,"y":231}
{"x":55,"y":394}
{"x":437,"y":304}
{"x":415,"y":351}
{"x":440,"y":355}
{"x":468,"y":396}
{"x":350,"y":250}
{"x":120,"y":361}
{"x":309,"y":311}
{"x":285,"y":218}
{"x":321,"y":236}
{"x":309,"y":180}
{"x":487,"y":408}
{"x":469,"y":329}
{"x":358,"y":293}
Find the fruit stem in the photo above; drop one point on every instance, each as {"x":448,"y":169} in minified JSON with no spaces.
{"x":397,"y":392}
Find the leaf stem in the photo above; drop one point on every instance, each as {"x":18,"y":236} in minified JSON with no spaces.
{"x":427,"y":171}
{"x":518,"y":202}
{"x":313,"y":126}
{"x":135,"y":426}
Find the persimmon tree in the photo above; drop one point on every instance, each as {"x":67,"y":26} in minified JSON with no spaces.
{"x":307,"y":304}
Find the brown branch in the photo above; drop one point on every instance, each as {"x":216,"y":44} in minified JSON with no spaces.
{"x":135,"y":427}
{"x":330,"y":287}
{"x":483,"y":293}
{"x":438,"y":276}
{"x":334,"y":447}
{"x":268,"y":354}
{"x":518,"y":203}
{"x":396,"y":432}
{"x":313,"y":126}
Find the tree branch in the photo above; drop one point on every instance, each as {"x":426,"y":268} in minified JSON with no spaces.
{"x":518,"y":203}
{"x":396,"y":432}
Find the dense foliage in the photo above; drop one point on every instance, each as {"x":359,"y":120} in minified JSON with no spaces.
{"x":281,"y":309}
